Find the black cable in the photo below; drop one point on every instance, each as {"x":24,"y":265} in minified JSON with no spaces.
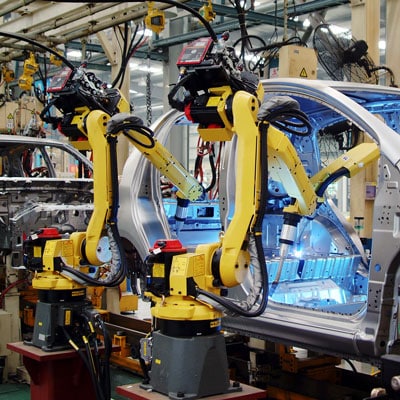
{"x":243,"y":30}
{"x":112,"y":141}
{"x":90,"y":100}
{"x":252,"y":49}
{"x":41,"y":46}
{"x":145,"y":370}
{"x":132,"y":46}
{"x":294,"y":14}
{"x":143,"y":130}
{"x":278,"y":45}
{"x":43,"y":78}
{"x":105,"y":371}
{"x":85,"y":359}
{"x":292,"y":121}
{"x":46,"y":110}
{"x":93,"y":373}
{"x":388,"y":70}
{"x":96,"y":352}
{"x":213,"y":170}
{"x":122,"y":64}
{"x":352,"y":366}
{"x":123,"y":270}
{"x":258,"y":226}
{"x":331,"y":178}
{"x":92,"y":337}
{"x":117,"y":279}
{"x":126,"y":57}
{"x":176,"y":103}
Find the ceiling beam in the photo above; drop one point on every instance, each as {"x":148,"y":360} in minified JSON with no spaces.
{"x":7,"y":6}
{"x":54,"y":23}
{"x":251,"y":16}
{"x":139,"y":53}
{"x":313,"y":6}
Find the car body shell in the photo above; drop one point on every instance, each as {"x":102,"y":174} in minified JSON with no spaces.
{"x":364,"y":327}
{"x":40,"y":187}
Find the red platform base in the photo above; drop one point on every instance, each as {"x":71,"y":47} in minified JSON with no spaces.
{"x":135,"y":392}
{"x":56,"y":375}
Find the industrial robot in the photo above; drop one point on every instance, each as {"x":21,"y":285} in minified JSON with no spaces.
{"x":189,"y":290}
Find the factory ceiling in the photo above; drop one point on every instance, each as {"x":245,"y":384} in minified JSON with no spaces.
{"x":76,"y":26}
{"x":72,"y":23}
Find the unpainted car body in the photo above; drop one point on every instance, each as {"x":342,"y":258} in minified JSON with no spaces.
{"x":334,"y":297}
{"x":41,"y":186}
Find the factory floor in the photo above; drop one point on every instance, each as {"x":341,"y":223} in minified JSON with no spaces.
{"x":21,"y":391}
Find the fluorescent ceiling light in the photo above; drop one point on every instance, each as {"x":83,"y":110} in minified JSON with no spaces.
{"x":147,"y":32}
{"x":339,"y":30}
{"x":145,"y":68}
{"x":74,"y":54}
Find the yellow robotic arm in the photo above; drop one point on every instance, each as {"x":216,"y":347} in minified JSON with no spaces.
{"x":132,"y":127}
{"x":233,"y":256}
{"x":349,"y":164}
{"x":306,"y":192}
{"x":91,"y":248}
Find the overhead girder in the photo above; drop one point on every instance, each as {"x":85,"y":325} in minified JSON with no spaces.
{"x":252,"y":17}
{"x":65,"y":25}
{"x":143,"y":52}
{"x":65,"y":21}
{"x":7,"y":6}
{"x":62,"y":23}
{"x":312,"y":6}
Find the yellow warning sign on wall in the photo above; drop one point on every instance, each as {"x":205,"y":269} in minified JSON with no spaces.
{"x":303,"y":73}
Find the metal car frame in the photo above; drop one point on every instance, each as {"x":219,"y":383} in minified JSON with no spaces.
{"x":29,"y":203}
{"x":368,"y":330}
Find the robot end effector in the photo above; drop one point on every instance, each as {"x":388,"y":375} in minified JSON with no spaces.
{"x":286,"y":167}
{"x":307,"y":193}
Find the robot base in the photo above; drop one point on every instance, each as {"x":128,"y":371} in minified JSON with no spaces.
{"x":49,"y":320}
{"x":190,"y":368}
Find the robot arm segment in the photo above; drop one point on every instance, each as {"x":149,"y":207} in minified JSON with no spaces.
{"x":234,"y":262}
{"x":228,"y":261}
{"x":349,"y":164}
{"x":285,"y":166}
{"x":102,"y":185}
{"x":132,"y":127}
